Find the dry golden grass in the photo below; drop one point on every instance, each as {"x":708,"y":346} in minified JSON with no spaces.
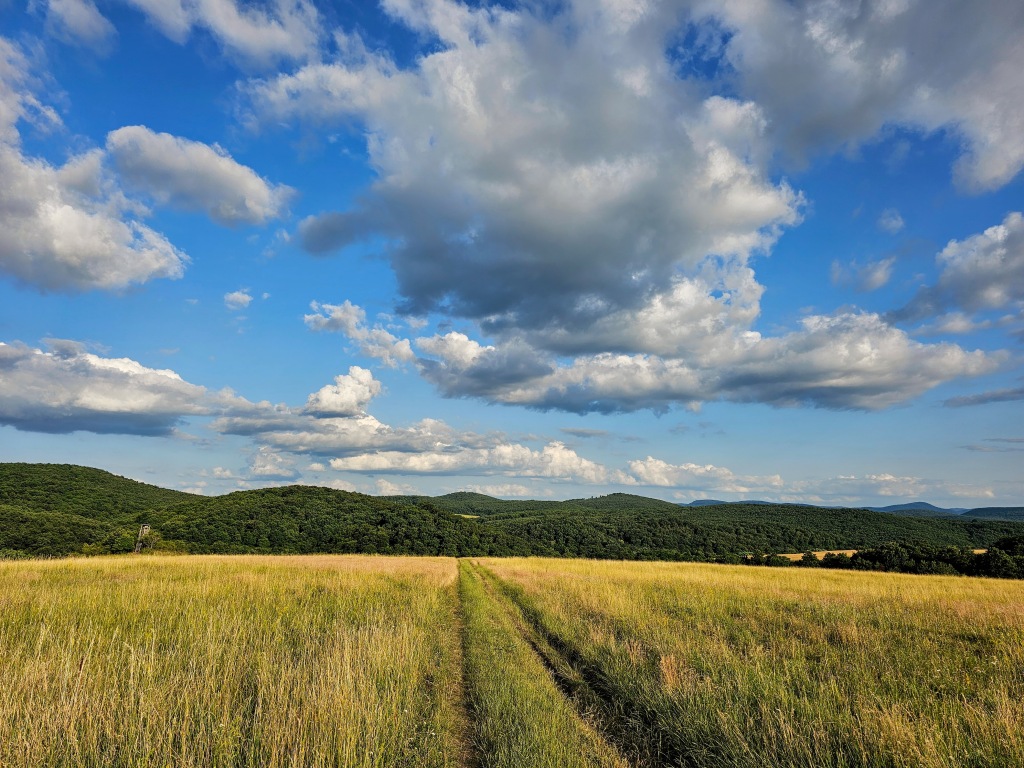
{"x":741,"y":666}
{"x":358,"y":661}
{"x":230,"y":661}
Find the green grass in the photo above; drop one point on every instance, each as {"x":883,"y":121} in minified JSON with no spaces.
{"x":522,"y":719}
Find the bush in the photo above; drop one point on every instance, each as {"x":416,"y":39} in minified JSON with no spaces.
{"x":836,"y":560}
{"x":809,"y":560}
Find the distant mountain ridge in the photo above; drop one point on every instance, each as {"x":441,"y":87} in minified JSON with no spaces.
{"x":56,"y":510}
{"x":915,"y":508}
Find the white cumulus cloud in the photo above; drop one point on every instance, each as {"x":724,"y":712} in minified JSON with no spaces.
{"x":195,"y":176}
{"x":239,"y":299}
{"x":280,"y":29}
{"x":554,"y":461}
{"x":67,"y":227}
{"x":539,"y":169}
{"x":348,"y":396}
{"x":829,"y":74}
{"x":350,"y":320}
{"x":890,"y":221}
{"x":863,"y":277}
{"x":700,"y":477}
{"x":980,"y":273}
{"x":845,"y":361}
{"x":66,"y":388}
{"x":267,"y":464}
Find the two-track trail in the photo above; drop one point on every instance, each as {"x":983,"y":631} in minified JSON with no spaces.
{"x":529,"y":708}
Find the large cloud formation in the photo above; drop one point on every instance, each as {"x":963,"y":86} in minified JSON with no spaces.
{"x":587,"y":187}
{"x":540,"y":172}
{"x":65,"y":388}
{"x":846,"y":361}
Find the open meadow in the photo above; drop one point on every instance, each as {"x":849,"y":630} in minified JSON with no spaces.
{"x":230,"y":661}
{"x":390,"y":661}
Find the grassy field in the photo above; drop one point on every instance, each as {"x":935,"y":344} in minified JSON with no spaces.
{"x":733,"y":666}
{"x":230,"y":661}
{"x":374,"y":661}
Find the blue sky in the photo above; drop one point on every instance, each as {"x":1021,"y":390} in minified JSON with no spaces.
{"x":684,"y":249}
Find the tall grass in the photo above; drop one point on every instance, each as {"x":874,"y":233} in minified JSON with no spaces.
{"x":734,"y":666}
{"x":522,"y":719}
{"x":230,"y":661}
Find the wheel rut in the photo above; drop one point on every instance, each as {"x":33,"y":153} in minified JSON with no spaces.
{"x":597,"y":712}
{"x":635,"y":732}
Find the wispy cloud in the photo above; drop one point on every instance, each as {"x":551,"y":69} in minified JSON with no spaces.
{"x":984,"y":398}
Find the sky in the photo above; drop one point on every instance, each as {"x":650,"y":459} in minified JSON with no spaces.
{"x":768,"y":249}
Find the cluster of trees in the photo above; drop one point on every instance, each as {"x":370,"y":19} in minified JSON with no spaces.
{"x":304,"y":519}
{"x":634,"y":528}
{"x":57,"y":510}
{"x":1004,"y":559}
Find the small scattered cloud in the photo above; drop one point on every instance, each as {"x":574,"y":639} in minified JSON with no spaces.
{"x":350,"y":320}
{"x":890,"y":221}
{"x":268,"y":464}
{"x":992,"y":448}
{"x":237,"y":300}
{"x":554,"y":461}
{"x":857,"y":488}
{"x":386,"y":487}
{"x":504,"y":490}
{"x":585,"y":433}
{"x":863,"y":277}
{"x":700,"y":477}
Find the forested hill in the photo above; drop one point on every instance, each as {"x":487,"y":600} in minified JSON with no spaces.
{"x":707,"y":533}
{"x":80,"y":491}
{"x":54,"y":510}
